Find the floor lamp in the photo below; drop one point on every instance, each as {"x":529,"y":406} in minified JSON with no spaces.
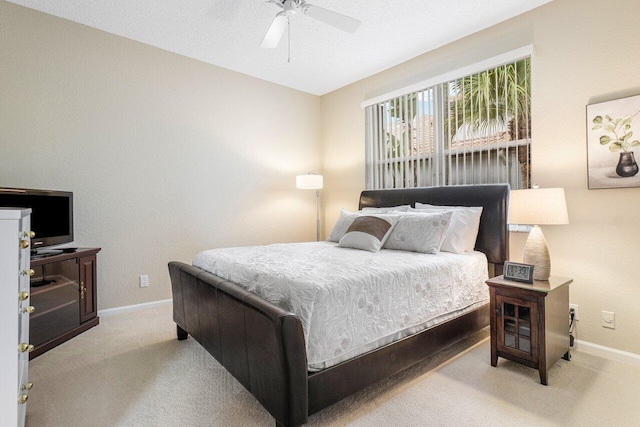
{"x":538,"y":206}
{"x":312,"y":181}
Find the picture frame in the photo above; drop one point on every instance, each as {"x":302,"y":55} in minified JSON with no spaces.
{"x":518,"y":272}
{"x":613,"y":137}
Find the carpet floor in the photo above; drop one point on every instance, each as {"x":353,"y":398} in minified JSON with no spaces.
{"x":132,"y":371}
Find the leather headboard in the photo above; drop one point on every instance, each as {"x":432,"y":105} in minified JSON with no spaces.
{"x":493,"y":237}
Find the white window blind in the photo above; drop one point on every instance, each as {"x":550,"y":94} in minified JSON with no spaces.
{"x":470,"y":130}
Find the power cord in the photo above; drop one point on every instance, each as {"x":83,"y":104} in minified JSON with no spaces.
{"x":572,"y":316}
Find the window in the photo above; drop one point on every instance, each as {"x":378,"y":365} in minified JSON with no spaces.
{"x":474,"y":129}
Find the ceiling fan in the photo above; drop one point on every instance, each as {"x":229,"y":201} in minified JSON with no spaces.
{"x":292,"y":7}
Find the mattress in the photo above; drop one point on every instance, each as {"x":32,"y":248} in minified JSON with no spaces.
{"x":351,"y":301}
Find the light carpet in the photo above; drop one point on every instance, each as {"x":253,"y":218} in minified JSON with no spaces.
{"x":132,"y":371}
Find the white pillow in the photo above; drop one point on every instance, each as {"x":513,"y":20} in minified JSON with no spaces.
{"x":463,"y":231}
{"x":393,"y":209}
{"x":369,"y":232}
{"x":342,"y":223}
{"x":420,"y":232}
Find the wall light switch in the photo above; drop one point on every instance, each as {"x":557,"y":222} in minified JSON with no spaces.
{"x":144,"y":281}
{"x":608,"y":319}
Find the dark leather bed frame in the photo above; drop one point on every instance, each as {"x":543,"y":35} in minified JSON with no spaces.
{"x":263,"y":346}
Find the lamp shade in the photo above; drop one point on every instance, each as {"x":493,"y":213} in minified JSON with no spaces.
{"x":309,"y":182}
{"x":541,"y":206}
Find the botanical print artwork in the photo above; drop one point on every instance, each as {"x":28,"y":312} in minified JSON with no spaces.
{"x":613,"y":136}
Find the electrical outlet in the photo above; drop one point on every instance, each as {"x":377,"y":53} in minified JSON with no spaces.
{"x":575,"y":311}
{"x":608,"y":319}
{"x":144,"y":281}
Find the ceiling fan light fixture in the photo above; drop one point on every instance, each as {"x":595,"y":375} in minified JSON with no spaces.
{"x":291,"y":7}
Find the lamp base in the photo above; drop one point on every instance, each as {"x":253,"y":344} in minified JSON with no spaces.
{"x":537,"y":253}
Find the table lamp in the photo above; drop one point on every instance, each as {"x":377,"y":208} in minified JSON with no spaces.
{"x":312,"y":181}
{"x":538,"y":206}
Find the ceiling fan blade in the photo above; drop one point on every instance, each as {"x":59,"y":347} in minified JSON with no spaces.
{"x":335,"y":19}
{"x":273,"y":36}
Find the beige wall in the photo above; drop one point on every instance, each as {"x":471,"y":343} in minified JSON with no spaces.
{"x":586,"y":52}
{"x":166,"y":156}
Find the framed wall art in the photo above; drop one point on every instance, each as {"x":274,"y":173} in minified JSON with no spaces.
{"x":613,"y":137}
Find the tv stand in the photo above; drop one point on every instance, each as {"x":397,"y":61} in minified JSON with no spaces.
{"x":64,"y":294}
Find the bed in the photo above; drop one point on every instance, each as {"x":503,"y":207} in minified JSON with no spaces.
{"x":263,"y":346}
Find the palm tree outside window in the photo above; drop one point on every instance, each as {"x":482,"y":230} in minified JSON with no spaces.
{"x":472,"y":130}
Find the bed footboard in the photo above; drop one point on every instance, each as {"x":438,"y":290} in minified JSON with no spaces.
{"x":260,"y":344}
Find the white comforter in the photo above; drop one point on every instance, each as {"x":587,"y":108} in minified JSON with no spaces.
{"x":351,"y":301}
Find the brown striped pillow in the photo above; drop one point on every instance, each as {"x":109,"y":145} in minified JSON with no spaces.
{"x":369,"y":232}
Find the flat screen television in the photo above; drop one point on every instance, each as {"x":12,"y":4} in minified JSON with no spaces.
{"x":51,"y":213}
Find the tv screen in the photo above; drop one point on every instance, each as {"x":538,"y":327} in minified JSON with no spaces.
{"x":51,"y":213}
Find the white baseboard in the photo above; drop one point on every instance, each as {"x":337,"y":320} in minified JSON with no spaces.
{"x":134,"y":307}
{"x":608,"y":352}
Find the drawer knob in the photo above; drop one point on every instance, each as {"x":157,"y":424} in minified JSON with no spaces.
{"x":23,"y":295}
{"x":24,"y":244}
{"x":32,"y":234}
{"x":27,"y":386}
{"x":29,"y":309}
{"x":25,"y":347}
{"x":22,"y":399}
{"x":30,"y":272}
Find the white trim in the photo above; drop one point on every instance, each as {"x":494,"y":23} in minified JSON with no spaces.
{"x":608,"y":352}
{"x":134,"y":307}
{"x":483,"y":65}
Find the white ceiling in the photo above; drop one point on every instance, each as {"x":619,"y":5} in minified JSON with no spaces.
{"x":227,"y":33}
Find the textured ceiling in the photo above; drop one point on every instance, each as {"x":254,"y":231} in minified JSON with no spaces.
{"x":228,"y":33}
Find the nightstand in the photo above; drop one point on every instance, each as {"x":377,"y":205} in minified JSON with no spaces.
{"x":530,"y":322}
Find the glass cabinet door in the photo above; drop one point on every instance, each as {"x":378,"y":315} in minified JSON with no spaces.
{"x":55,"y":295}
{"x":516,"y":327}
